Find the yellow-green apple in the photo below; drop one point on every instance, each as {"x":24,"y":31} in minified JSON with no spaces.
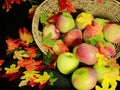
{"x":50,"y":28}
{"x":59,"y":47}
{"x":65,"y":22}
{"x":105,"y":66}
{"x":112,"y":33}
{"x":67,"y":63}
{"x":86,"y":53}
{"x":84,"y":78}
{"x":73,"y":38}
{"x":83,"y":19}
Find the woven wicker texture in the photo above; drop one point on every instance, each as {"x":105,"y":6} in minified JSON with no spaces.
{"x":109,"y":9}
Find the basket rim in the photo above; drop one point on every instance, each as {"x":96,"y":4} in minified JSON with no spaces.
{"x":35,"y":30}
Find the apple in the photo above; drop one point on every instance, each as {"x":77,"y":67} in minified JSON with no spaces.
{"x":67,"y":63}
{"x":73,"y":38}
{"x":105,"y":67}
{"x":65,"y":22}
{"x":84,"y":19}
{"x":86,"y":53}
{"x":112,"y":33}
{"x":50,"y":28}
{"x":59,"y":47}
{"x":110,"y":49}
{"x":84,"y":78}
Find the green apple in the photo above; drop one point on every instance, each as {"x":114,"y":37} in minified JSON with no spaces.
{"x":84,"y":78}
{"x":67,"y":63}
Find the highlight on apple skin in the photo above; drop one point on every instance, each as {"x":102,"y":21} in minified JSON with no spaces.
{"x":67,"y":63}
{"x":84,"y":78}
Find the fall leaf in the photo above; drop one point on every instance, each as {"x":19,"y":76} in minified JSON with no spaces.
{"x":48,"y":41}
{"x":1,"y":62}
{"x":32,"y":51}
{"x":7,"y":4}
{"x":31,"y":11}
{"x":30,"y":64}
{"x":28,"y":76}
{"x":65,"y":5}
{"x":20,"y":54}
{"x":99,"y":1}
{"x":25,"y":35}
{"x":43,"y":18}
{"x":12,"y":43}
{"x":42,"y":78}
{"x":12,"y":69}
{"x":52,"y":78}
{"x":11,"y":76}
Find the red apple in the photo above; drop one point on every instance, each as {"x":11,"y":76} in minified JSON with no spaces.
{"x":65,"y":22}
{"x":84,"y":78}
{"x":51,"y":29}
{"x":86,"y":53}
{"x":73,"y":38}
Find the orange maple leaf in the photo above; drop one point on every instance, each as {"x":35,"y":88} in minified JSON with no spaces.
{"x":12,"y":43}
{"x":31,"y":51}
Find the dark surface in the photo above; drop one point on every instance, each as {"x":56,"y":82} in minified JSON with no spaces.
{"x":16,"y":18}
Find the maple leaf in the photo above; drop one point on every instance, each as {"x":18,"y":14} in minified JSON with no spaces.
{"x":43,"y":18}
{"x":52,"y":78}
{"x":65,"y":5}
{"x":47,"y":59}
{"x":31,"y":64}
{"x":28,"y":76}
{"x":20,"y":54}
{"x":25,"y":35}
{"x":1,"y":62}
{"x":99,"y":1}
{"x":48,"y":41}
{"x":11,"y":76}
{"x":31,"y":11}
{"x":12,"y":69}
{"x":12,"y":43}
{"x":32,"y":51}
{"x":7,"y":4}
{"x":42,"y":78}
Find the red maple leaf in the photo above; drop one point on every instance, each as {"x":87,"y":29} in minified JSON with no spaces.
{"x":65,"y":5}
{"x":7,"y":4}
{"x":99,"y":1}
{"x":11,"y":76}
{"x":31,"y":51}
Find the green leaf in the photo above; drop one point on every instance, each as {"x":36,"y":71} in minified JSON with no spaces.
{"x":48,"y":41}
{"x":96,"y":39}
{"x":52,"y":78}
{"x":47,"y":59}
{"x":43,"y":18}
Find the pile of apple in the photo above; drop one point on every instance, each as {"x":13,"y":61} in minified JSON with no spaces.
{"x":80,"y":41}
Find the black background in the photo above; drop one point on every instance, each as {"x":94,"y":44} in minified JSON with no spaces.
{"x":16,"y":18}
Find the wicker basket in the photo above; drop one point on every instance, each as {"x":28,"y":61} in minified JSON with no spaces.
{"x":109,"y":9}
